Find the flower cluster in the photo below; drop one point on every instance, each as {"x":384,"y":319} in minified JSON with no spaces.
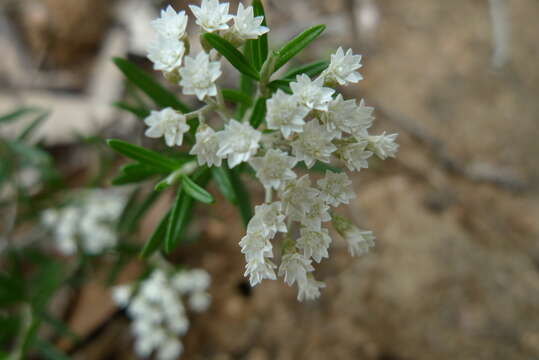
{"x":305,"y":123}
{"x":86,"y":224}
{"x":157,"y":309}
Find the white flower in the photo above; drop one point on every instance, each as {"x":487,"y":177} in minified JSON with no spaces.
{"x":121,"y":294}
{"x":191,"y":281}
{"x":345,"y":115}
{"x":269,"y":218}
{"x":316,"y":213}
{"x":170,"y":24}
{"x":310,"y":93}
{"x":383,"y":146}
{"x":297,"y":196}
{"x":238,"y":142}
{"x":168,"y":123}
{"x":314,"y":243}
{"x":314,"y":143}
{"x":258,"y":271}
{"x":355,"y":155}
{"x":255,"y":245}
{"x":309,"y":289}
{"x":166,"y":54}
{"x":336,"y":188}
{"x":274,"y":168}
{"x":359,"y":241}
{"x":285,"y":113}
{"x":342,"y":67}
{"x":246,"y":25}
{"x":170,"y":349}
{"x":206,"y":146}
{"x":211,"y":15}
{"x":294,"y":267}
{"x":199,"y":74}
{"x":199,"y":301}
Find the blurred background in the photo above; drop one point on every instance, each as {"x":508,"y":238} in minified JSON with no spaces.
{"x":455,"y":274}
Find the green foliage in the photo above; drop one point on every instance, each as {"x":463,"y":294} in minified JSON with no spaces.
{"x":298,"y":43}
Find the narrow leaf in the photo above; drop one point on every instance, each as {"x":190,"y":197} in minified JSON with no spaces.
{"x":143,"y":155}
{"x":259,"y":112}
{"x":237,"y":97}
{"x":135,"y":172}
{"x":244,"y":203}
{"x":258,"y":48}
{"x":311,"y":69}
{"x":232,"y":54}
{"x":160,"y":95}
{"x":284,"y":85}
{"x":221,"y":176}
{"x":298,"y":43}
{"x":157,"y":237}
{"x":15,"y":114}
{"x":32,"y":126}
{"x":178,"y":216}
{"x":195,"y":191}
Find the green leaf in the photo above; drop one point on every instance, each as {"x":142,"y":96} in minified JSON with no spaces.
{"x":311,"y":70}
{"x":32,"y":126}
{"x":258,"y":48}
{"x":161,"y":96}
{"x":11,"y":290}
{"x":135,"y":172}
{"x":195,"y":191}
{"x":60,"y":327}
{"x":183,"y":211}
{"x":15,"y":114}
{"x":298,"y":43}
{"x":143,"y":155}
{"x":232,"y":54}
{"x":244,"y":203}
{"x":139,"y":112}
{"x":284,"y":85}
{"x":157,"y":237}
{"x":237,"y":97}
{"x":259,"y":113}
{"x":49,"y":351}
{"x":246,"y":86}
{"x":221,"y":176}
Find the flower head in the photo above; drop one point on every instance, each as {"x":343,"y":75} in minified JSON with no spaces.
{"x":297,"y":196}
{"x":206,"y":146}
{"x":336,"y":188}
{"x":168,"y":123}
{"x":314,"y":243}
{"x":166,"y":54}
{"x":211,"y":15}
{"x":238,"y":142}
{"x":311,"y":93}
{"x":171,"y":24}
{"x":383,"y":146}
{"x":274,"y":168}
{"x":309,"y":289}
{"x":269,"y":218}
{"x":294,"y":267}
{"x":246,"y":25}
{"x":199,"y":74}
{"x":314,"y":143}
{"x":355,"y":155}
{"x":342,"y":67}
{"x":345,"y":115}
{"x":285,"y":113}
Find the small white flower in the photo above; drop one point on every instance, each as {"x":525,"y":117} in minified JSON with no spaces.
{"x":309,"y":289}
{"x":383,"y":146}
{"x":211,"y":15}
{"x":345,"y":115}
{"x":121,"y":294}
{"x":316,"y":213}
{"x":258,"y":271}
{"x":314,"y":143}
{"x":310,"y":93}
{"x":199,"y":74}
{"x":336,"y":188}
{"x":297,"y":196}
{"x":170,"y":349}
{"x":355,"y":155}
{"x":342,"y":67}
{"x":238,"y":142}
{"x":200,"y":301}
{"x":359,"y":241}
{"x":168,"y":123}
{"x":171,"y":24}
{"x":246,"y":25}
{"x":274,"y":168}
{"x":285,"y":113}
{"x":314,"y":243}
{"x":206,"y":146}
{"x":255,"y":245}
{"x":294,"y":267}
{"x":269,"y":218}
{"x":166,"y":54}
